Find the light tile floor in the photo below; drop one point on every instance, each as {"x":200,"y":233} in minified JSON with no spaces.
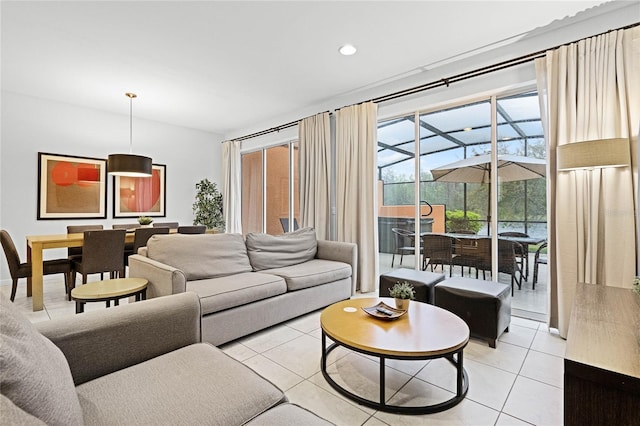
{"x":518,"y":383}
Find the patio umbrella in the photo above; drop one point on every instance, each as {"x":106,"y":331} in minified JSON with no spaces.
{"x":477,"y":169}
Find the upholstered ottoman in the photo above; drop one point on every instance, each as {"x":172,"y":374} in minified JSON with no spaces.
{"x":484,"y":305}
{"x":422,"y":281}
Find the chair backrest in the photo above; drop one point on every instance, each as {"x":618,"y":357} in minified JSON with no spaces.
{"x":507,"y":255}
{"x":103,"y":251}
{"x":483,"y":253}
{"x":125,"y":226}
{"x":76,"y":229}
{"x":10,"y":252}
{"x":402,"y":238}
{"x":142,"y":235}
{"x":437,"y":247}
{"x":170,"y":225}
{"x":284,"y":221}
{"x":192,"y":229}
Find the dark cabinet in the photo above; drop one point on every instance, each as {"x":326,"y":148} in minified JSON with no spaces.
{"x":602,"y":358}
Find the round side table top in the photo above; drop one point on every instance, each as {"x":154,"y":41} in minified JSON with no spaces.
{"x":425,"y":330}
{"x":109,"y":288}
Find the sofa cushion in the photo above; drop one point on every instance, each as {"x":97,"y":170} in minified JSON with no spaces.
{"x":277,"y":251}
{"x":11,"y":414}
{"x":218,"y":294}
{"x":34,"y":373}
{"x":198,"y":382}
{"x":201,"y":256}
{"x":312,"y":273}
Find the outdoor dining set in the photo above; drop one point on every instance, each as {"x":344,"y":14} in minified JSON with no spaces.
{"x":473,"y":252}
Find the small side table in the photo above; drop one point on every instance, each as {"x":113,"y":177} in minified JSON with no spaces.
{"x":108,"y":290}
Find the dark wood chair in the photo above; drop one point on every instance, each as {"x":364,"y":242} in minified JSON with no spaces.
{"x":128,"y":247}
{"x":437,"y":250}
{"x":142,"y":235}
{"x":284,"y":221}
{"x":103,"y":251}
{"x":192,"y":229}
{"x":170,"y":225}
{"x":75,"y":253}
{"x":19,"y":269}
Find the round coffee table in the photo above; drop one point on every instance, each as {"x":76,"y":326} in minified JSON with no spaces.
{"x":424,"y":332}
{"x":107,"y":290}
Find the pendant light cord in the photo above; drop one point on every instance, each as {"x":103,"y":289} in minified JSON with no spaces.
{"x":130,"y":96}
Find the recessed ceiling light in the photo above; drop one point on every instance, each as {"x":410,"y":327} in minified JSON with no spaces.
{"x":467,"y":129}
{"x":347,"y":49}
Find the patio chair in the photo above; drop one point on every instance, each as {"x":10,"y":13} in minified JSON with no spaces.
{"x":403,"y":243}
{"x":522,"y":251}
{"x":437,"y":250}
{"x":539,"y":259}
{"x":474,"y":254}
{"x":19,"y":269}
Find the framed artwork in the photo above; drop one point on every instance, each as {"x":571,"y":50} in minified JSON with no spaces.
{"x":140,"y":196}
{"x":71,"y":187}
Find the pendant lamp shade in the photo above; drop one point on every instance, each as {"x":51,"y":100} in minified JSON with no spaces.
{"x":129,"y":164}
{"x":595,"y":154}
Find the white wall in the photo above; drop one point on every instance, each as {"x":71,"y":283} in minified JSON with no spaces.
{"x":31,"y":125}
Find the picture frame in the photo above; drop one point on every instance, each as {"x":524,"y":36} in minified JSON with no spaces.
{"x":71,"y":187}
{"x":141,"y":196}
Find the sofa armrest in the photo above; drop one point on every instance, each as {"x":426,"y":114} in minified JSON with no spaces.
{"x":102,"y":342}
{"x":340,"y":252}
{"x":163,"y":279}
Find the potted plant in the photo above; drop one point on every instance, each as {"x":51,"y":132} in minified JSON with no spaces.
{"x":208,"y":206}
{"x":145,"y":221}
{"x":402,"y":292}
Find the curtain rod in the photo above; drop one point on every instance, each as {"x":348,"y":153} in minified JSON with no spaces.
{"x":446,"y":81}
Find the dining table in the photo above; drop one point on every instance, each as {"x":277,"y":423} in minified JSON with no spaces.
{"x":36,"y":245}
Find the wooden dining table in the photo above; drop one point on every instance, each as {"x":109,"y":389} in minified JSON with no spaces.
{"x":36,"y":245}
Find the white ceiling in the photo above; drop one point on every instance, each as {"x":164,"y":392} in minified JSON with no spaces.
{"x":221,"y":66}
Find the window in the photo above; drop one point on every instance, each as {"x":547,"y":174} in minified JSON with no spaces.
{"x":270,"y":190}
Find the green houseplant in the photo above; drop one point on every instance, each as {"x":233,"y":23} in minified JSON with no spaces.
{"x":208,"y":206}
{"x":402,"y":292}
{"x":145,"y":220}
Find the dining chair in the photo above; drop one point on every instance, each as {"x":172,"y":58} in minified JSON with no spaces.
{"x":284,"y":221}
{"x":103,"y":251}
{"x":192,"y":229}
{"x":75,"y":253}
{"x":170,"y":225}
{"x":128,"y":247}
{"x":438,"y":249}
{"x":522,"y":251}
{"x":400,"y":238}
{"x":539,"y":259}
{"x":18,"y":269}
{"x":142,"y":235}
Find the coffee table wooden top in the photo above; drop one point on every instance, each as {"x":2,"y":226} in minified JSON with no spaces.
{"x":425,"y":330}
{"x":108,"y":289}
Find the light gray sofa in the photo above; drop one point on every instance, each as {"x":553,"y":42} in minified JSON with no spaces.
{"x":246,"y":286}
{"x":138,"y":364}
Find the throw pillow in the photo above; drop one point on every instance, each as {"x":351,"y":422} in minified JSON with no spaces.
{"x":277,"y":251}
{"x":34,"y":374}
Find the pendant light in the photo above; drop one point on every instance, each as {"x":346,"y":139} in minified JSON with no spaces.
{"x":129,"y":164}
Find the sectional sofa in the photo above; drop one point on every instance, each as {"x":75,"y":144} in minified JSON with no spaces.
{"x":246,"y":286}
{"x":138,"y":364}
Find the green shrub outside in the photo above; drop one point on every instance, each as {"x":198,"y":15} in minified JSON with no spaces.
{"x":456,"y":221}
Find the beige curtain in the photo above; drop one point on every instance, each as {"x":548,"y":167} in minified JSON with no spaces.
{"x":589,"y":90}
{"x":231,"y":188}
{"x":314,"y":160}
{"x":356,"y":142}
